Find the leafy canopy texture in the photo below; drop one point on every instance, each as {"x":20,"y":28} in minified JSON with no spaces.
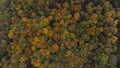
{"x":58,"y":34}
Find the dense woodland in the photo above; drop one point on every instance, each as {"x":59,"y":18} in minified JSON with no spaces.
{"x":59,"y":34}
